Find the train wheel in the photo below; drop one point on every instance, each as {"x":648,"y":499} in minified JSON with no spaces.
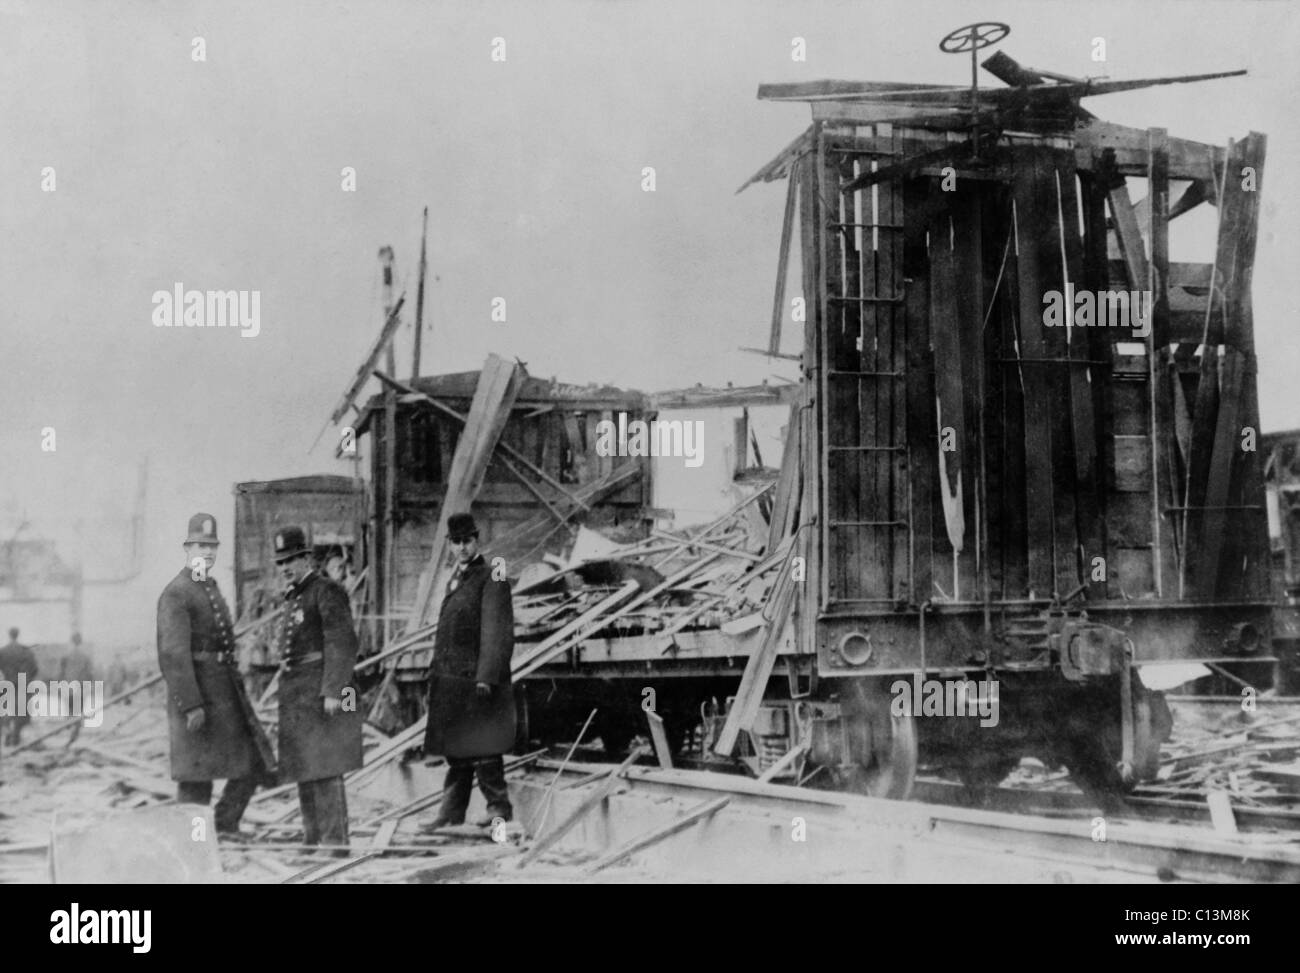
{"x":884,"y":744}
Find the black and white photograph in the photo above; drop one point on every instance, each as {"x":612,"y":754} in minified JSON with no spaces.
{"x":604,"y":442}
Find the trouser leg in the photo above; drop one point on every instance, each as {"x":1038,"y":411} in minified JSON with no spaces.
{"x":307,"y":802}
{"x":456,"y":789}
{"x":331,"y":799}
{"x":234,"y":799}
{"x":194,"y":792}
{"x":491,"y":773}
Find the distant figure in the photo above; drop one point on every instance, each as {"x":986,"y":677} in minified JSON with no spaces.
{"x":15,"y":660}
{"x":76,"y":667}
{"x":116,"y":676}
{"x":214,"y":732}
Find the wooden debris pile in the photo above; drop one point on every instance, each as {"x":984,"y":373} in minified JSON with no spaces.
{"x":706,"y":577}
{"x":1243,"y":760}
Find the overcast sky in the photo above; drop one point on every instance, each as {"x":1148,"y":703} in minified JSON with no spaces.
{"x":225,"y":174}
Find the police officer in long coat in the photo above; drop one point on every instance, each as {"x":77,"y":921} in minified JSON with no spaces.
{"x":320,"y":719}
{"x":214,"y":732}
{"x":471,"y":706}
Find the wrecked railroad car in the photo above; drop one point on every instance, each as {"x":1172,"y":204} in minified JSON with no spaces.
{"x":1059,"y":505}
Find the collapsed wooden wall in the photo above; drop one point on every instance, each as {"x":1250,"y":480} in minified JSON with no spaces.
{"x":960,"y":448}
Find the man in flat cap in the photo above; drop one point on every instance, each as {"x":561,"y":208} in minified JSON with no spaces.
{"x":320,"y":720}
{"x":214,"y":732}
{"x":471,"y":706}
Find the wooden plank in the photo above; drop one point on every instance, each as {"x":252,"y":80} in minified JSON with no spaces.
{"x":922,"y":456}
{"x":1130,"y":238}
{"x":758,"y":667}
{"x":536,"y":530}
{"x":954,"y":480}
{"x":1220,"y":804}
{"x":595,"y":798}
{"x":1157,"y":201}
{"x":1246,"y":554}
{"x":578,"y":625}
{"x":811,"y":542}
{"x":1032,"y":282}
{"x":785,"y":500}
{"x":1187,"y":159}
{"x":1166,"y":398}
{"x":1206,"y":546}
{"x":791,"y":755}
{"x":494,"y":396}
{"x":659,"y":737}
{"x":363,"y":373}
{"x":1089,"y":523}
{"x":1099,"y":348}
{"x":1046,"y":234}
{"x":656,"y":835}
{"x":969,"y":293}
{"x":783,"y":262}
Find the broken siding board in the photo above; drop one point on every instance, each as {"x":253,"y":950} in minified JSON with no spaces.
{"x":1167,"y":471}
{"x":1246,"y":552}
{"x":494,"y":396}
{"x":1046,"y":234}
{"x":969,"y":260}
{"x":783,"y":262}
{"x":1039,"y":489}
{"x":1129,"y":235}
{"x":785,"y":501}
{"x":1187,"y":159}
{"x":811,"y":442}
{"x":894,"y":212}
{"x":1100,"y":348}
{"x":953,"y":480}
{"x":1157,"y":207}
{"x":922,"y":466}
{"x":1082,"y":382}
{"x":1206,"y":544}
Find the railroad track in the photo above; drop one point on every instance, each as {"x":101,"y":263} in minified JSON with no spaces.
{"x":756,"y":834}
{"x":1018,"y":800}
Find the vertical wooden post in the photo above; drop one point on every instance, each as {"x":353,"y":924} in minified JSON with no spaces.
{"x":419,"y":301}
{"x":1158,"y":337}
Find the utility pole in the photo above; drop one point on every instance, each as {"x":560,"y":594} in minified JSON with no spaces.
{"x":386,"y":262}
{"x":419,"y":299}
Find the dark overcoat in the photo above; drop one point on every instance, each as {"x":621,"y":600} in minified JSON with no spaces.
{"x":474,"y":643}
{"x":193,"y":618}
{"x":318,"y":622}
{"x":17,"y":658}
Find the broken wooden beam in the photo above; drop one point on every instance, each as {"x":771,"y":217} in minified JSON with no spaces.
{"x":656,"y":835}
{"x":494,"y":395}
{"x":595,"y":798}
